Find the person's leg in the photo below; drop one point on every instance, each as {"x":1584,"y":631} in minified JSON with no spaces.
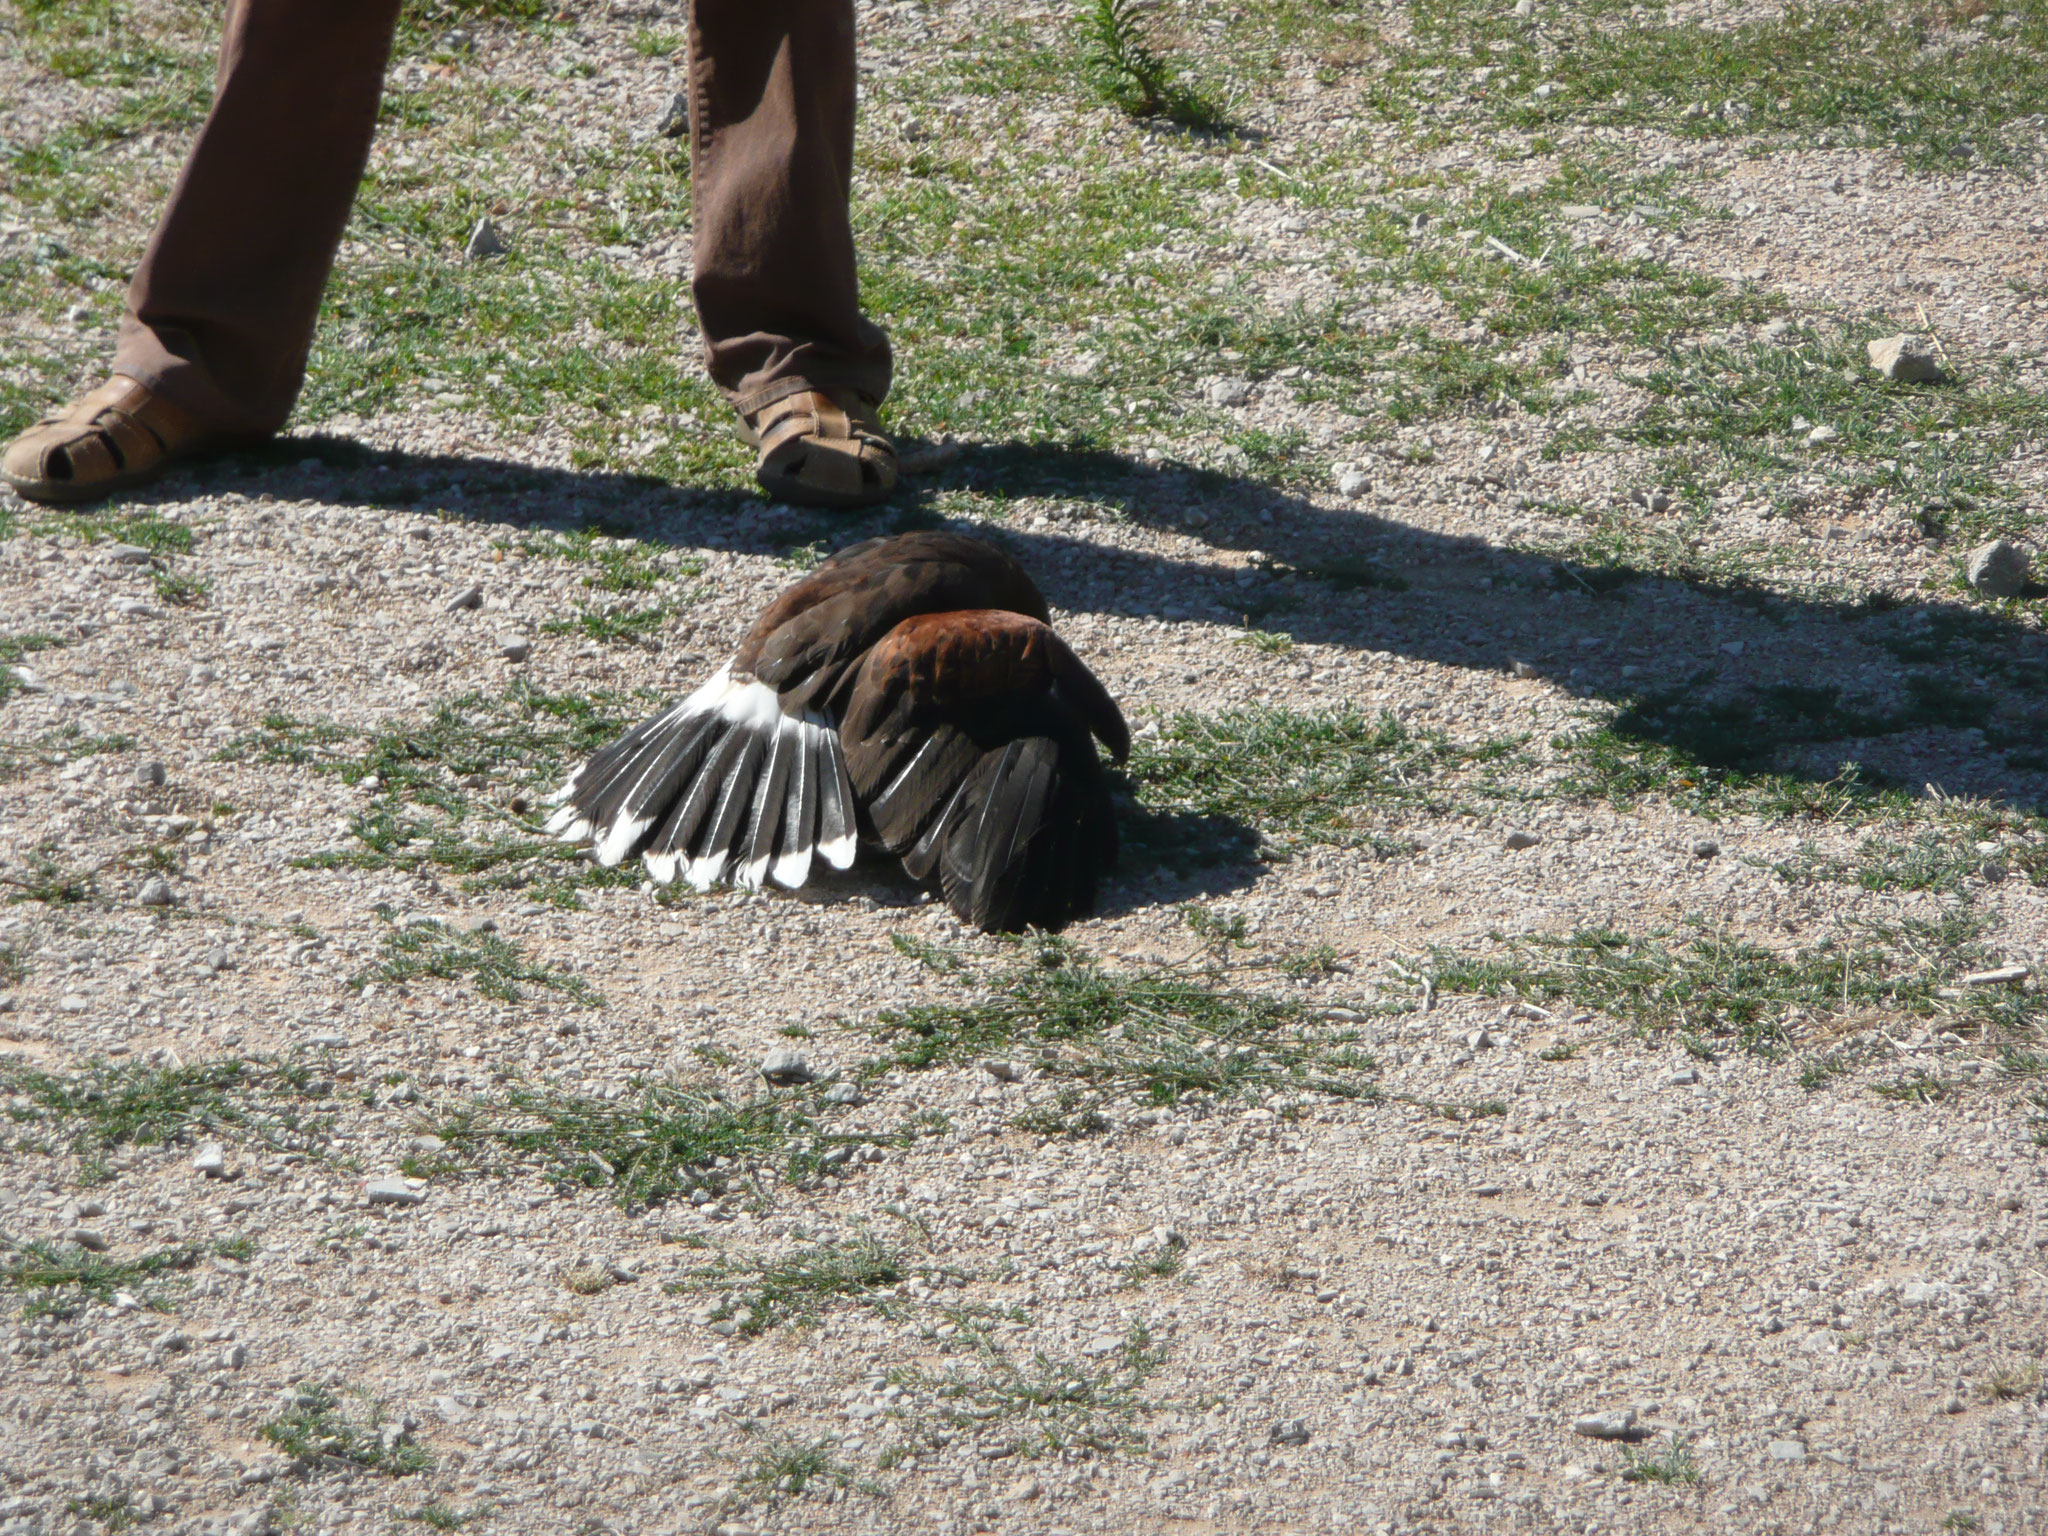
{"x":221,"y":311}
{"x":772,"y":108}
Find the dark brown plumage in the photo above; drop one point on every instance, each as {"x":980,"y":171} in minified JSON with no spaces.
{"x":910,"y":693}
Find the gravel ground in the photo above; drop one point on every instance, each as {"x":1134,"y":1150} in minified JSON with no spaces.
{"x":265,"y":798}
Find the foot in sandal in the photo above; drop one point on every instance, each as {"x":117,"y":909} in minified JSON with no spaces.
{"x":119,"y":436}
{"x":820,"y":449}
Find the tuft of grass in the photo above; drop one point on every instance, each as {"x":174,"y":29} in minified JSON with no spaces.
{"x":1817,"y":1072}
{"x":1129,"y":75}
{"x":785,"y":1468}
{"x":318,"y":1428}
{"x":429,"y":948}
{"x":773,"y":1293}
{"x":613,"y":625}
{"x":1919,"y":1088}
{"x":663,"y":1142}
{"x":1101,"y":1035}
{"x":1045,"y":1406}
{"x":1162,"y":1263}
{"x":180,"y":591}
{"x":446,"y":1517}
{"x":1308,"y":778}
{"x":107,"y":1104}
{"x":1711,"y":982}
{"x":62,"y":1278}
{"x":2011,"y":1382}
{"x":1673,"y":1466}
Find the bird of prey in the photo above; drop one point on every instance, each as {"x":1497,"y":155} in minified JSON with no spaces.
{"x":909,"y":693}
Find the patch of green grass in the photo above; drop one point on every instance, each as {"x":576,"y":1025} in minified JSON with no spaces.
{"x":320,"y":1429}
{"x":180,"y":591}
{"x":1162,"y":1263}
{"x":107,"y":1104}
{"x":112,"y":1513}
{"x":429,"y":948}
{"x":446,"y":1517}
{"x":424,"y":811}
{"x":1101,"y":1036}
{"x":1714,"y":983}
{"x":1944,"y":84}
{"x":1673,"y":1466}
{"x":1919,"y":1088}
{"x":62,"y":1278}
{"x":1309,"y":778}
{"x":1818,"y":1071}
{"x":785,"y":1468}
{"x":1044,"y":1406}
{"x":612,"y":625}
{"x":1936,"y":859}
{"x":661,"y":1142}
{"x":2011,"y":1382}
{"x":13,"y":650}
{"x":791,"y":1289}
{"x":1218,"y":933}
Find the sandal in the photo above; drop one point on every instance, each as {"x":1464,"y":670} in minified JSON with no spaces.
{"x":119,"y":436}
{"x":822,"y":450}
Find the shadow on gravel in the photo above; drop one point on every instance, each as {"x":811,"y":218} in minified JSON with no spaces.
{"x":1711,"y":675}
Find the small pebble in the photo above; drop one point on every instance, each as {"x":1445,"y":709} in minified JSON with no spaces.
{"x":1520,"y":840}
{"x":1613,"y":1424}
{"x":151,"y":772}
{"x":515,"y":647}
{"x":155,"y":892}
{"x":1291,"y":1432}
{"x":1999,"y":569}
{"x":1705,"y":848}
{"x":212,"y":1161}
{"x":785,"y":1068}
{"x":392,"y":1192}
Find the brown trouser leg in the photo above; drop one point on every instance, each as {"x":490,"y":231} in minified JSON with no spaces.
{"x":771,"y":165}
{"x":221,"y":311}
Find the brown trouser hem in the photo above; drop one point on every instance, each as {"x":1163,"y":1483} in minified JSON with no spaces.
{"x":221,"y":310}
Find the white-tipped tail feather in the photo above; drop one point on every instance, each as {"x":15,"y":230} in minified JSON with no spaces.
{"x":722,"y":786}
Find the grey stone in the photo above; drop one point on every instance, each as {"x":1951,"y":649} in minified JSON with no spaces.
{"x":1519,"y":840}
{"x":1353,"y":482}
{"x":1486,"y":1191}
{"x":155,"y":892}
{"x":151,"y":772}
{"x":1788,"y":1450}
{"x":1771,"y":1324}
{"x":89,"y":1238}
{"x":468,"y":597}
{"x":128,"y":554}
{"x":1004,"y":1071}
{"x":1923,"y":1293}
{"x":674,"y":122}
{"x":843,"y":1093}
{"x":1705,"y":848}
{"x":1614,"y":1424}
{"x":234,"y":1357}
{"x":1822,"y":434}
{"x":515,"y":647}
{"x":212,"y":1161}
{"x":393,"y":1191}
{"x":785,"y":1068}
{"x":1685,"y":1077}
{"x":1291,"y":1432}
{"x":485,"y":242}
{"x":1999,"y":569}
{"x":2001,"y":976}
{"x":1481,"y":1039}
{"x":1905,"y":359}
{"x":1229,"y":393}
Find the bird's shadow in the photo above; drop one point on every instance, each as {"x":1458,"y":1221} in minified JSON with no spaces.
{"x":1727,"y":676}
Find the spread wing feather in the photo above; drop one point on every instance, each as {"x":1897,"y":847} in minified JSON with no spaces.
{"x":909,"y":692}
{"x":723,"y":785}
